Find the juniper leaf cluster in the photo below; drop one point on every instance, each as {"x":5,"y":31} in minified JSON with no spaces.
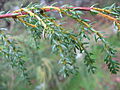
{"x":64,"y":43}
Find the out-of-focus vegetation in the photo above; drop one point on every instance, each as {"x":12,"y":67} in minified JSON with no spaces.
{"x":43,"y":65}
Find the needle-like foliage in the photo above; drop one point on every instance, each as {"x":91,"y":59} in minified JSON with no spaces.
{"x":64,"y":42}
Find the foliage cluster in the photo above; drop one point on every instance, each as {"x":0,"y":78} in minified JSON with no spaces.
{"x":64,"y":43}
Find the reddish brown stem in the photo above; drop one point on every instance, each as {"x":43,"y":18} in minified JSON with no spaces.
{"x":75,"y":8}
{"x":13,"y":15}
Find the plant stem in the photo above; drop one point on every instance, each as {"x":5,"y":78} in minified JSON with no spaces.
{"x":46,"y":9}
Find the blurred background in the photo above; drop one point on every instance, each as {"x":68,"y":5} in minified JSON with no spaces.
{"x":42,"y":65}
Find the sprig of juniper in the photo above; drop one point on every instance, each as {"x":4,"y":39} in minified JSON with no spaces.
{"x":65,"y":42}
{"x":12,"y":53}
